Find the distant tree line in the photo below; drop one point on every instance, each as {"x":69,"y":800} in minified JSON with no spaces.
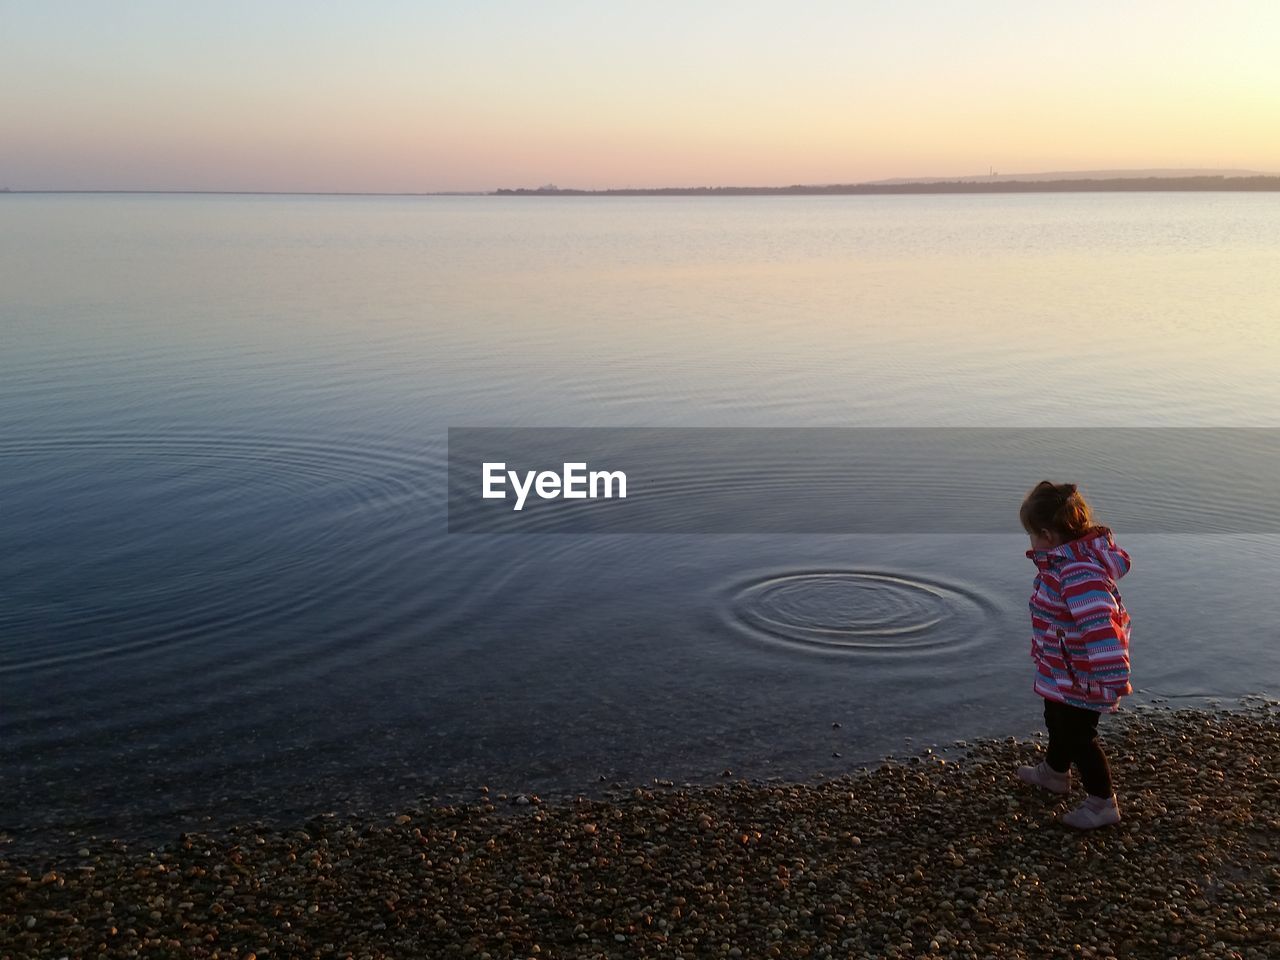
{"x":940,"y":186}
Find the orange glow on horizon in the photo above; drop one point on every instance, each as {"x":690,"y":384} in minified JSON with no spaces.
{"x":422,"y":100}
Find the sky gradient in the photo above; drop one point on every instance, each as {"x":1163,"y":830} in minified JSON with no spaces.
{"x":399,"y":96}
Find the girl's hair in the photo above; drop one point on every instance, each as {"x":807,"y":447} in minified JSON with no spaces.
{"x":1058,"y":508}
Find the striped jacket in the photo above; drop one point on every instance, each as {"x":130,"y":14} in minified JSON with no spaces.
{"x":1079,"y":626}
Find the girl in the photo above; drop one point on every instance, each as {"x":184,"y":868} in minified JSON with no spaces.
{"x":1079,"y":641}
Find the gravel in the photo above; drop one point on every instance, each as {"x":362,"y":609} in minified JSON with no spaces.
{"x":919,"y":857}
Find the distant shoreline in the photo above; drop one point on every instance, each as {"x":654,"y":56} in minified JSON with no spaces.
{"x":1196,"y":184}
{"x":1116,"y":184}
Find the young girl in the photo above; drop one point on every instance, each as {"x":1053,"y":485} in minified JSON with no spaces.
{"x":1079,"y":641}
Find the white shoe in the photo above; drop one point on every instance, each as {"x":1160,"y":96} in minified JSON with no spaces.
{"x":1043,"y":775}
{"x":1089,"y":815}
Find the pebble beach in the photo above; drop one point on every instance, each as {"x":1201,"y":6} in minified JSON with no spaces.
{"x":919,"y":856}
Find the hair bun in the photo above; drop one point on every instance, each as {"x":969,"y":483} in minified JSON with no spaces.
{"x":1058,"y":507}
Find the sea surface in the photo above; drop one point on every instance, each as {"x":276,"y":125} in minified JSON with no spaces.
{"x":228,"y":589}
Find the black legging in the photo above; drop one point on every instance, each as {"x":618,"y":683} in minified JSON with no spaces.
{"x":1073,"y":735}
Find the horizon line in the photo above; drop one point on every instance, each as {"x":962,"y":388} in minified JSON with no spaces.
{"x":970,"y":184}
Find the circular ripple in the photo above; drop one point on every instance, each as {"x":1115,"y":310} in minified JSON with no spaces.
{"x":860,"y":611}
{"x":295,"y":521}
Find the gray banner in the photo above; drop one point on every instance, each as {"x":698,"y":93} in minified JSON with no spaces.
{"x":855,"y":480}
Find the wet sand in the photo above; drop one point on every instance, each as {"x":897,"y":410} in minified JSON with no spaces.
{"x":918,"y":857}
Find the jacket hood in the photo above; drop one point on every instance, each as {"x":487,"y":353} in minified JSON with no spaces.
{"x":1097,"y":546}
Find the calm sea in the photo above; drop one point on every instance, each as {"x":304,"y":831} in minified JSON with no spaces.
{"x":226,"y":585}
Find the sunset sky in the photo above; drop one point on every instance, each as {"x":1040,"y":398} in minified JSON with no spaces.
{"x":476,"y":95}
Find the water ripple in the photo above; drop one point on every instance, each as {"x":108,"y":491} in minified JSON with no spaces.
{"x":860,"y":612}
{"x":227,"y":532}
